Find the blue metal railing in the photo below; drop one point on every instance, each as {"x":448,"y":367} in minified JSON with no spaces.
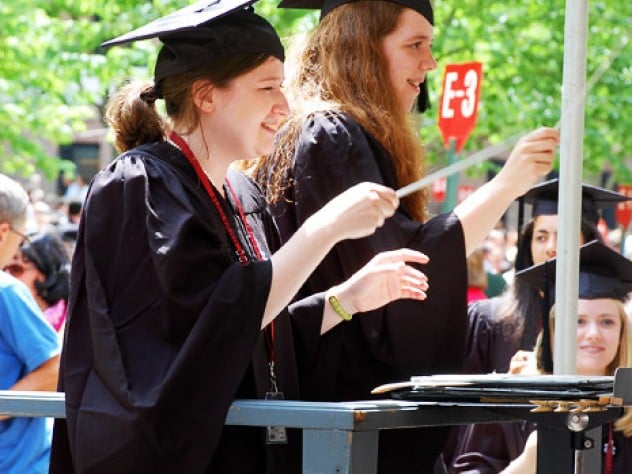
{"x":347,"y":431}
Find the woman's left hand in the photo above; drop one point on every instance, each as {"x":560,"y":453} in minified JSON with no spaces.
{"x":387,"y":277}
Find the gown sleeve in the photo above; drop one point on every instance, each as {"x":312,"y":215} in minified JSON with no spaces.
{"x":491,"y":340}
{"x":161,"y":328}
{"x":405,"y":337}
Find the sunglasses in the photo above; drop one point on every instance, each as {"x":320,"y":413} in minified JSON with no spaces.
{"x":15,"y":269}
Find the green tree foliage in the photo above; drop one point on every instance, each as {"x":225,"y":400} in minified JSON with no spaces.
{"x":521,"y":46}
{"x":53,"y":75}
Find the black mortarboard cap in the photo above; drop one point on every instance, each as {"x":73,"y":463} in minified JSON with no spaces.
{"x":603,"y":273}
{"x":325,"y":6}
{"x":544,"y":200}
{"x":204,"y":32}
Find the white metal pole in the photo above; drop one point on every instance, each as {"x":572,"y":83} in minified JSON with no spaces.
{"x":569,"y":213}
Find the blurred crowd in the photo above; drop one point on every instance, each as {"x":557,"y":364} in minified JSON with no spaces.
{"x":491,"y":266}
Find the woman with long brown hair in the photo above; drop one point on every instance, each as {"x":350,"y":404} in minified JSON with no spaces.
{"x":355,"y":82}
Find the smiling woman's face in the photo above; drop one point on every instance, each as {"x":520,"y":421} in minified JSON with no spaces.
{"x":598,"y":335}
{"x":408,"y":55}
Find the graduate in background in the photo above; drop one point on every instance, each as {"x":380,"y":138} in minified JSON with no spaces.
{"x":501,"y":326}
{"x":42,"y":264}
{"x":604,"y":342}
{"x":356,"y":81}
{"x":175,"y":287}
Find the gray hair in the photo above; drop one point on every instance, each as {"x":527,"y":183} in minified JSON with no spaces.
{"x":13,"y":201}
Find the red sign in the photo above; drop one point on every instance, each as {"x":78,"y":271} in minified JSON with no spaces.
{"x":439,"y":188}
{"x":624,"y":209}
{"x":459,"y":102}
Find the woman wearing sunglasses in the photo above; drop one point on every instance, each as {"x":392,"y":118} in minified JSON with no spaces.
{"x":42,"y":264}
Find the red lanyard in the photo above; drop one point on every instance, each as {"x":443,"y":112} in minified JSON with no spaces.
{"x":184,"y":147}
{"x":609,"y":451}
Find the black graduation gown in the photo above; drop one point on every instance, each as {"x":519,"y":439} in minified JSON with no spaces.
{"x":393,"y":343}
{"x":489,"y":448}
{"x":163,"y":329}
{"x":491,"y":343}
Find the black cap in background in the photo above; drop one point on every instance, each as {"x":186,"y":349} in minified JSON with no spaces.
{"x":603,"y":273}
{"x":544,"y":198}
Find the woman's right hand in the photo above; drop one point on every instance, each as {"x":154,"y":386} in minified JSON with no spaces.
{"x":523,"y":362}
{"x":357,"y":212}
{"x":531,"y":159}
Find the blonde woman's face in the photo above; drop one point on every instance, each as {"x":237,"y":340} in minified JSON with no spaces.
{"x":598,"y":335}
{"x":408,"y":55}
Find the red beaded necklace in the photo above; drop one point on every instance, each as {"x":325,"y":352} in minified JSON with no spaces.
{"x":184,"y":147}
{"x":186,"y":150}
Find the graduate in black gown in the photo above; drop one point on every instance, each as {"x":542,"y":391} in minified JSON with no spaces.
{"x":603,"y":344}
{"x":501,"y":326}
{"x":351,"y":123}
{"x":175,"y":286}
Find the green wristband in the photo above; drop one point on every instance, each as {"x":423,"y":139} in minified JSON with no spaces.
{"x":337,"y":307}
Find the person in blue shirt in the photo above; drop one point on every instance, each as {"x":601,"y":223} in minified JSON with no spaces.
{"x":29,"y":347}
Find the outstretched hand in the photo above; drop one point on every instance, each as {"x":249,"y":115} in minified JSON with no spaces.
{"x":385,"y":278}
{"x":531,"y":159}
{"x":355,"y":213}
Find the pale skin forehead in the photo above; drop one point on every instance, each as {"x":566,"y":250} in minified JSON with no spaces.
{"x":412,"y":25}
